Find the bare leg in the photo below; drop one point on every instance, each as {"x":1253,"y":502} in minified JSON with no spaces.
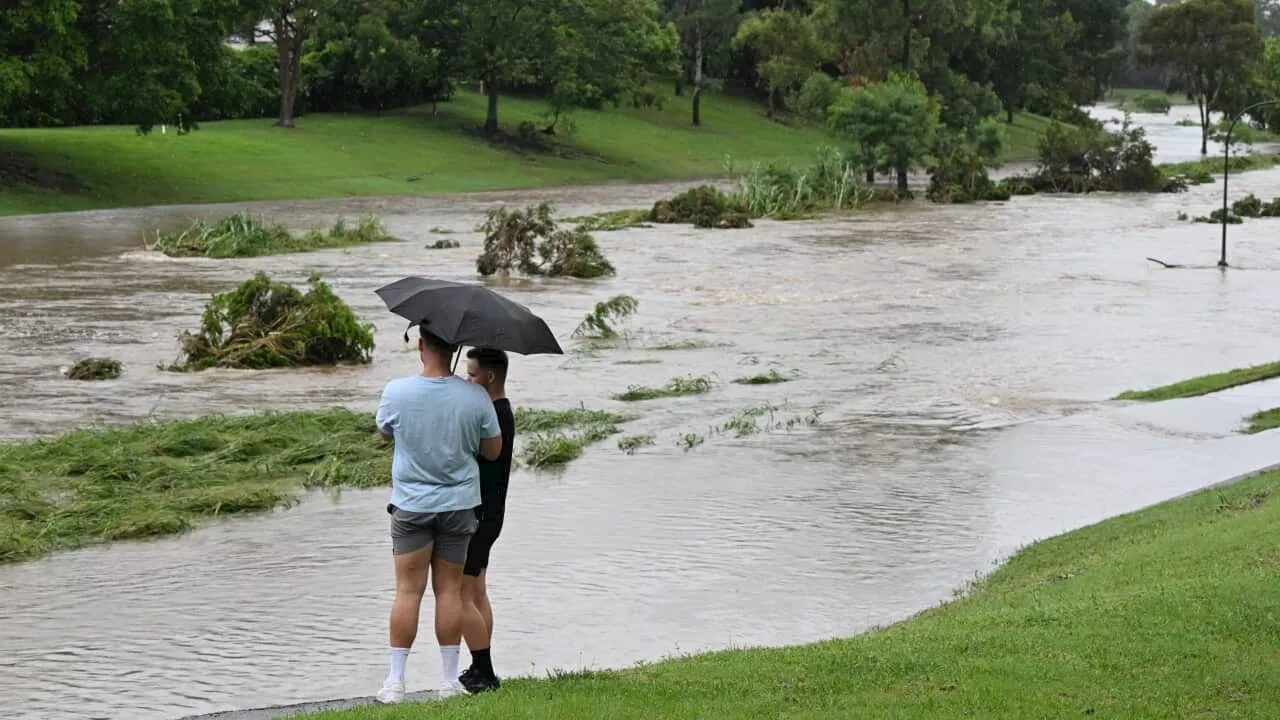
{"x":477,"y":627}
{"x":411,"y":583}
{"x":446,"y":581}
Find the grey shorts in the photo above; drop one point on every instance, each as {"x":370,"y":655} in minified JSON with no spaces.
{"x":450,"y":532}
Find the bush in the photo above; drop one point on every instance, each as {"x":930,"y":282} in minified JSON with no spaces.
{"x":598,"y":325}
{"x":527,"y":241}
{"x":95,"y":369}
{"x":815,"y":97}
{"x":704,"y":206}
{"x":959,"y":172}
{"x":1152,"y":103}
{"x":1091,"y":159}
{"x":264,"y":324}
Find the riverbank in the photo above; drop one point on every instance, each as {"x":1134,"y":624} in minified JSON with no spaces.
{"x":410,"y":152}
{"x":1166,"y":612}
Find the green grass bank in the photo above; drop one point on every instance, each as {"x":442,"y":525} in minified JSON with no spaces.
{"x":408,"y":152}
{"x":1205,"y":384}
{"x":1170,"y":612}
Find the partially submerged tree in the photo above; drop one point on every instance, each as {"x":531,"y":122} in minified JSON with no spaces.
{"x":528,"y":242}
{"x":894,"y":121}
{"x":264,"y":324}
{"x":1211,"y":47}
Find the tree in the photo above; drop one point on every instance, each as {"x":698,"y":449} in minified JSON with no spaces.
{"x":896,"y":120}
{"x":507,"y":44}
{"x":1211,"y":48}
{"x":40,"y":52}
{"x":706,"y":27}
{"x":292,"y":22}
{"x":788,"y":48}
{"x":605,"y":50}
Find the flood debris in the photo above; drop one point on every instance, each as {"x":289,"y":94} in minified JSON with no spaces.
{"x":598,"y":324}
{"x":528,"y":242}
{"x":265,"y":324}
{"x":95,"y":368}
{"x":245,"y":235}
{"x":552,"y":438}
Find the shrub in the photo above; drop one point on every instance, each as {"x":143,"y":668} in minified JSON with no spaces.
{"x":100,"y":368}
{"x":959,"y":172}
{"x":816,"y":96}
{"x":263,"y":324}
{"x":1152,"y":103}
{"x":704,"y":206}
{"x":831,"y":182}
{"x":597,"y":323}
{"x":1089,"y":159}
{"x":527,"y":241}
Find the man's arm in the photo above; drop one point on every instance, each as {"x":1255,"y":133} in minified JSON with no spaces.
{"x":490,"y":431}
{"x":386,"y":418}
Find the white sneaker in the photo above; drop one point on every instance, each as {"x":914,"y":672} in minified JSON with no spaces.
{"x":391,"y":693}
{"x":451,"y":689}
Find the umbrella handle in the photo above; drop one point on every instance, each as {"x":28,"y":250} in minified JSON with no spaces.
{"x":456,"y":358}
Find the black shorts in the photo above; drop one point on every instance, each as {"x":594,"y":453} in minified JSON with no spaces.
{"x":488,"y":528}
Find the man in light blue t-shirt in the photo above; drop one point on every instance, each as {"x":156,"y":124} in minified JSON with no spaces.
{"x":439,"y":423}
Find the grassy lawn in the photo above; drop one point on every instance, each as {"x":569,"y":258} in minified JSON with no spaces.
{"x":160,"y":478}
{"x":1166,"y":613}
{"x":1205,"y":384}
{"x":398,"y":153}
{"x":1262,"y":420}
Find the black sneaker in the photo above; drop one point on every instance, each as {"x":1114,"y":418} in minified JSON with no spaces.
{"x":467,"y":676}
{"x":474,"y":682}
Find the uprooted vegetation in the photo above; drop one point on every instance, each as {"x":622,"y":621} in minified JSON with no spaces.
{"x":245,"y":235}
{"x":528,"y":242}
{"x":160,"y":478}
{"x":551,"y":438}
{"x":769,"y":378}
{"x":611,"y":220}
{"x":676,"y":387}
{"x":598,"y":324}
{"x":264,"y":324}
{"x":95,"y":368}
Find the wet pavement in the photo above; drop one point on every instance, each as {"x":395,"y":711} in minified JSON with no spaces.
{"x":961,"y":358}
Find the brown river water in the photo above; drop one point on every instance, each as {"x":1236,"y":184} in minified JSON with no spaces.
{"x":957,"y":355}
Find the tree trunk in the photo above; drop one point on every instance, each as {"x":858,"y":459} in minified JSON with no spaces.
{"x":491,"y":117}
{"x":1204,"y":125}
{"x":679,"y":87}
{"x":288,"y":62}
{"x":906,"y":35}
{"x":902,"y":180}
{"x":769,"y":107}
{"x":697,"y":77}
{"x":871,"y":176}
{"x":1009,"y":117}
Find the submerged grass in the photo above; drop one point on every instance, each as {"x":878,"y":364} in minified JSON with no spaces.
{"x":556,"y":437}
{"x":766,"y":418}
{"x":631,"y":443}
{"x":676,"y":387}
{"x":159,"y":478}
{"x":611,"y":220}
{"x":770,"y":378}
{"x":1202,"y":171}
{"x":1262,"y":420}
{"x":1168,"y":612}
{"x":244,"y":235}
{"x":1205,"y":384}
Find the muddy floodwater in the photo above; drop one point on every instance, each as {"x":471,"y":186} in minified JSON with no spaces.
{"x":960,"y":358}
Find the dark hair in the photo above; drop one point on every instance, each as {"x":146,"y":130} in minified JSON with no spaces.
{"x":495,"y":361}
{"x":435,"y":345}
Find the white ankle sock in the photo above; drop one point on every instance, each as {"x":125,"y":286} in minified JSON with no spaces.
{"x":449,"y":663}
{"x":399,"y":657}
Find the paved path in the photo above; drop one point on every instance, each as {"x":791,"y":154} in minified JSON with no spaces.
{"x":283,"y":711}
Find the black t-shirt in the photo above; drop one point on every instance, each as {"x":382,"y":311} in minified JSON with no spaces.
{"x":494,"y":476}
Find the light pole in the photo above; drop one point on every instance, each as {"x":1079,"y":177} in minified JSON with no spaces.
{"x":1226,"y":172}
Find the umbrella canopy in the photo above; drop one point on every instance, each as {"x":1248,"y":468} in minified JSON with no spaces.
{"x":467,"y":314}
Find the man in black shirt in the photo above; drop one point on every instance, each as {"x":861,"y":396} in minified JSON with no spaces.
{"x":487,"y":368}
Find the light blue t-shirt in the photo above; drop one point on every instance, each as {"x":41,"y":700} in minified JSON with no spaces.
{"x":437,"y":425}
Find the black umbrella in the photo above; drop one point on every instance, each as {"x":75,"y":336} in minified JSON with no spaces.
{"x":467,"y":314}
